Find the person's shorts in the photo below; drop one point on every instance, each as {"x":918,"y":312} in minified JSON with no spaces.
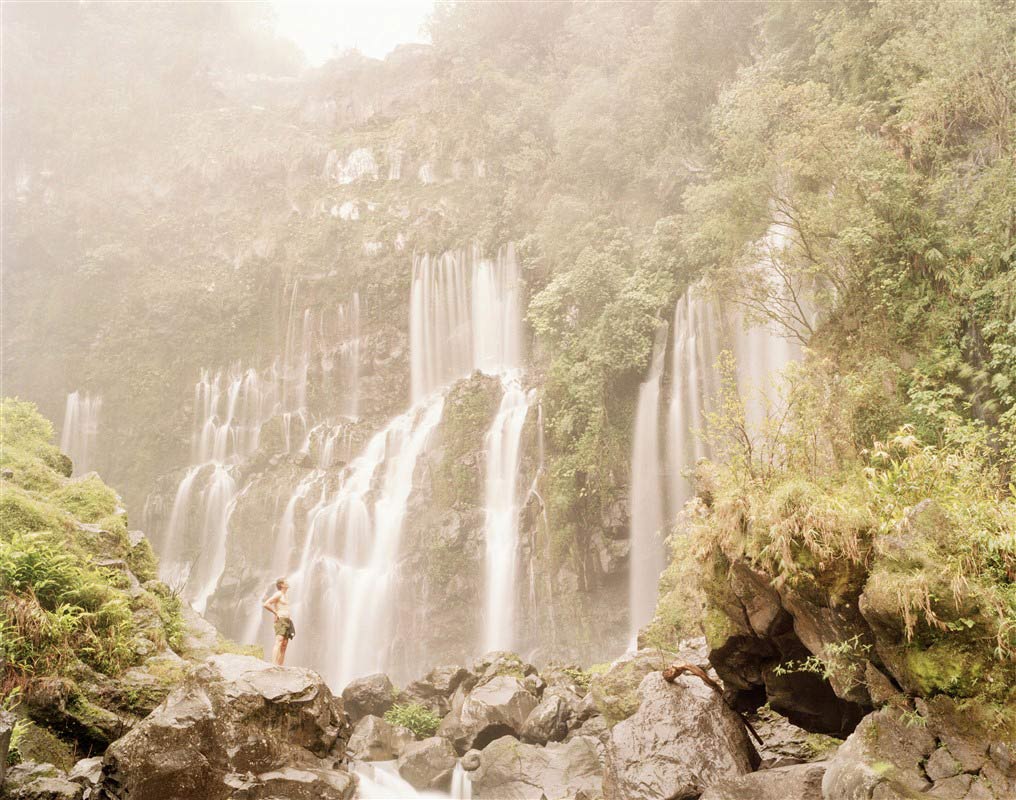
{"x":284,"y":627}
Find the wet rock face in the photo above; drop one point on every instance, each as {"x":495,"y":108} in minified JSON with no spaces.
{"x":511,"y":770}
{"x":682,"y":739}
{"x":938,"y":750}
{"x":228,"y":731}
{"x":435,"y":689}
{"x":372,"y":695}
{"x":6,"y":731}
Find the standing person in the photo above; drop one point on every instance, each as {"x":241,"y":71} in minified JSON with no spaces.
{"x":278,"y":604}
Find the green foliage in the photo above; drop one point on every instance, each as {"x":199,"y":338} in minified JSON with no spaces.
{"x":59,"y":607}
{"x":418,"y":718}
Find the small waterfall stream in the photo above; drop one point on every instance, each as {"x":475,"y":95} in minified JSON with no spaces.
{"x":646,"y":494}
{"x":80,"y":429}
{"x":501,"y":509}
{"x":701,"y":331}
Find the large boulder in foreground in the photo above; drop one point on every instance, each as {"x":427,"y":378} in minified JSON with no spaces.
{"x":236,"y":728}
{"x":511,"y":770}
{"x":491,"y":710}
{"x":682,"y":739}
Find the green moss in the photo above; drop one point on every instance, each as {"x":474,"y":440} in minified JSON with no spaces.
{"x":680,"y":608}
{"x":88,"y":499}
{"x":942,"y":667}
{"x":142,"y":562}
{"x":20,"y":513}
{"x":468,"y":411}
{"x":36,"y":743}
{"x":224,"y":645}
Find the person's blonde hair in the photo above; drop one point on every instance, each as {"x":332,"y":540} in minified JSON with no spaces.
{"x":279,"y":582}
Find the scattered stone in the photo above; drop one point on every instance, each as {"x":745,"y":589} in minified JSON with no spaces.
{"x":292,"y":784}
{"x":373,"y":694}
{"x":32,"y":781}
{"x":682,"y":739}
{"x":87,"y":772}
{"x":374,"y":739}
{"x":511,"y":770}
{"x":428,"y":764}
{"x":796,"y":782}
{"x":942,"y":765}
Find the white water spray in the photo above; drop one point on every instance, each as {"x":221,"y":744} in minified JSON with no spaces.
{"x":80,"y":429}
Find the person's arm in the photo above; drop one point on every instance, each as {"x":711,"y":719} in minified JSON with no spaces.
{"x":271,"y":604}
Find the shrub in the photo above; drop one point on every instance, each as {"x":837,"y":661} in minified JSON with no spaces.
{"x":418,"y":718}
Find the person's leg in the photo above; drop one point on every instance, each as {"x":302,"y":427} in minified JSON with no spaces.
{"x":282,"y":652}
{"x":279,"y":652}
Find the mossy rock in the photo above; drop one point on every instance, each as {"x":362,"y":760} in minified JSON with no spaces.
{"x":36,"y":743}
{"x":88,"y":499}
{"x":615,"y":691}
{"x":681,"y":607}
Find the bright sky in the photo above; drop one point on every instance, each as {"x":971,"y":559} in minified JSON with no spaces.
{"x":374,"y":27}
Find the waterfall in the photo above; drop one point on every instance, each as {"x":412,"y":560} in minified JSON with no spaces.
{"x":80,"y":429}
{"x":465,"y":314}
{"x":343,"y":588}
{"x":501,"y":508}
{"x":380,"y":780}
{"x":701,"y":332}
{"x":647,"y":557}
{"x":694,"y":385}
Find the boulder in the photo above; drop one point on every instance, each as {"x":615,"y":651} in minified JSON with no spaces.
{"x":682,"y":739}
{"x":471,"y":760}
{"x":234,"y":715}
{"x":57,"y":704}
{"x":435,"y":689}
{"x":491,"y":710}
{"x":799,"y":781}
{"x":32,"y":781}
{"x":552,"y":718}
{"x":511,"y":770}
{"x":373,"y":694}
{"x":428,"y":764}
{"x":374,"y":739}
{"x":88,"y":773}
{"x":785,"y":743}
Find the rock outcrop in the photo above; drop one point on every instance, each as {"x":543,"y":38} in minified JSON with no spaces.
{"x":511,"y":770}
{"x":938,"y":750}
{"x":682,"y":739}
{"x":236,"y":728}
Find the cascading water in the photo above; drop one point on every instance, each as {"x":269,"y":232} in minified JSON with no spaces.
{"x":343,"y":586}
{"x":694,"y":386}
{"x":465,"y":314}
{"x":501,"y":508}
{"x":80,"y":429}
{"x":646,"y":494}
{"x":701,"y":332}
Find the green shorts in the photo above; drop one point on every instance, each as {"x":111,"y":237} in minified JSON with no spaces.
{"x":284,"y":627}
